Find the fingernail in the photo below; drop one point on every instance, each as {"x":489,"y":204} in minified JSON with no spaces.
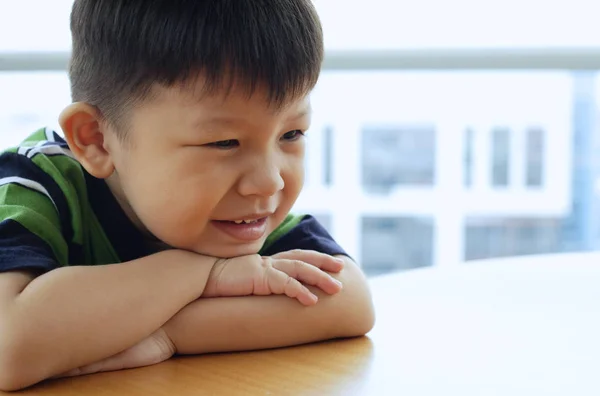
{"x":339,"y":260}
{"x":338,"y":282}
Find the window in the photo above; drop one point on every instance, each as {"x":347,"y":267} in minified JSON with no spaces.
{"x":535,"y":157}
{"x":397,"y":156}
{"x":502,"y":237}
{"x":328,"y":156}
{"x":500,"y":157}
{"x":468,"y":157}
{"x":394,"y":244}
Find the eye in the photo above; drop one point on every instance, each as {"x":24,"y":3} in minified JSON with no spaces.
{"x":293,"y":135}
{"x":225,"y":144}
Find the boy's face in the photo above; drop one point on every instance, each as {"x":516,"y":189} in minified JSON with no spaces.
{"x":190,"y":169}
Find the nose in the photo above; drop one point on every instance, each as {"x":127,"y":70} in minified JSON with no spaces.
{"x":263,"y":178}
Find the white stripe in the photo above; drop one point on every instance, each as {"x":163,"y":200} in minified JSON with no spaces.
{"x":50,"y":135}
{"x":39,"y":144}
{"x":23,"y":149}
{"x":51,"y":149}
{"x":33,"y":185}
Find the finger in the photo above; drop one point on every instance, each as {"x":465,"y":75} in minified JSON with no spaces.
{"x":281,"y":283}
{"x":317,"y":259}
{"x":309,"y":275}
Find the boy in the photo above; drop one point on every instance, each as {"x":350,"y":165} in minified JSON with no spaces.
{"x":161,"y":224}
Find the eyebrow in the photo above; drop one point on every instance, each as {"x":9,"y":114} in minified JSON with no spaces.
{"x":228,"y":120}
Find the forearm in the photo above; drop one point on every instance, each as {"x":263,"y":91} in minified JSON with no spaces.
{"x":254,"y":322}
{"x":74,"y":316}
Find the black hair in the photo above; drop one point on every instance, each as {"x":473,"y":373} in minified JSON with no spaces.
{"x":122,"y":48}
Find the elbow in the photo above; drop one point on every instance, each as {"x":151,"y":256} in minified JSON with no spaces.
{"x":360,"y":318}
{"x":11,"y":378}
{"x":14,"y":373}
{"x":357,"y":311}
{"x":366,"y":321}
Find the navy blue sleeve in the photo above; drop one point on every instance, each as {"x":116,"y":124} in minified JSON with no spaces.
{"x":21,"y":249}
{"x":308,"y":234}
{"x":33,"y":214}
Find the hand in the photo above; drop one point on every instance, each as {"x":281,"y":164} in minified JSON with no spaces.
{"x":154,"y":349}
{"x":278,"y":274}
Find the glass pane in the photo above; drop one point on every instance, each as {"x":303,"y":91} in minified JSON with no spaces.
{"x":535,"y":157}
{"x":393,"y":244}
{"x":327,"y":154}
{"x":491,"y":237}
{"x":468,"y":157}
{"x":500,"y":156}
{"x":396,"y":156}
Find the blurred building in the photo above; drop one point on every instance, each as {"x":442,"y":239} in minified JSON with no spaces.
{"x":422,"y":170}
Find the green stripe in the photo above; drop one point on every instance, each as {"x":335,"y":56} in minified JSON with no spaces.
{"x":290,"y":222}
{"x":67,"y":174}
{"x":87,"y":231}
{"x":43,"y":220}
{"x":16,"y":203}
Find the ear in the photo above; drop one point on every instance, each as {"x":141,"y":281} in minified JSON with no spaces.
{"x":81,"y":125}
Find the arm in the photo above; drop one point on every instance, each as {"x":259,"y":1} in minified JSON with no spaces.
{"x":116,"y":323}
{"x":256,"y":322}
{"x":74,"y":316}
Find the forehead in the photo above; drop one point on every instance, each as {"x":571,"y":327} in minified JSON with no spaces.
{"x":229,"y":98}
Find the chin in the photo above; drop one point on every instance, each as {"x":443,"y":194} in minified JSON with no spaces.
{"x":232,"y":251}
{"x":245,"y":250}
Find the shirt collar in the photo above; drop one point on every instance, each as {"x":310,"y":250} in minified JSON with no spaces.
{"x":128,"y":242}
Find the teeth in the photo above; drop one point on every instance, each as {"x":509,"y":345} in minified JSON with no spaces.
{"x":244,"y":221}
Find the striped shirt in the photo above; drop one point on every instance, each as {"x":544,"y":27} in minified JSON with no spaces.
{"x":53,"y":214}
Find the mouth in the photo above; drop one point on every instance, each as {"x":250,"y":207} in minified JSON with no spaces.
{"x":248,"y":229}
{"x":247,"y":221}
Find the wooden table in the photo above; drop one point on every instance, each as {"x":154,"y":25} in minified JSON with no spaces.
{"x":527,"y":326}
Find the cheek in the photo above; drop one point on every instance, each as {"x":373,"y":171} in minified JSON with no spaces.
{"x":174,"y":215}
{"x":166,"y":198}
{"x":293,"y":175}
